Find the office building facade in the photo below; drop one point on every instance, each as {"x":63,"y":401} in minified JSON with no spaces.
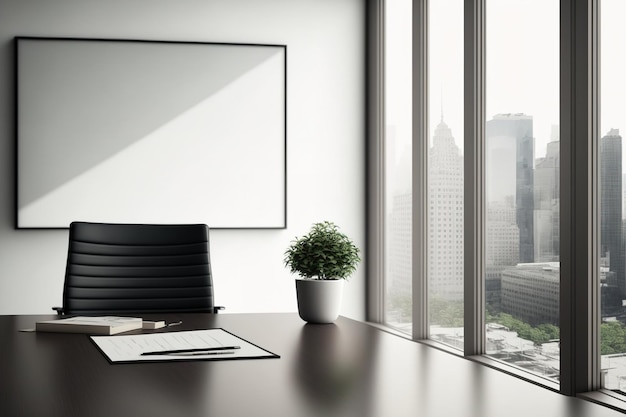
{"x":530,"y":292}
{"x":510,"y":172}
{"x":611,"y":241}
{"x":547,"y":196}
{"x":502,"y":249}
{"x":445,"y":216}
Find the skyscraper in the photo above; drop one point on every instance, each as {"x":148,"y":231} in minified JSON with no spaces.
{"x":398,"y":239}
{"x":445,"y":216}
{"x":547,"y":214}
{"x":611,"y":205}
{"x":502,"y":248}
{"x":510,"y":150}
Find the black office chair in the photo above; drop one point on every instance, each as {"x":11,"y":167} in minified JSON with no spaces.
{"x":137,"y":268}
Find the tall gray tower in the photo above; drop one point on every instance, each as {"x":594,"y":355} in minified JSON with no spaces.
{"x":547,"y":207}
{"x":510,"y":153}
{"x":445,"y":216}
{"x":611,"y":205}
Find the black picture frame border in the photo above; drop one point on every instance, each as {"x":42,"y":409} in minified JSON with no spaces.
{"x":17,"y":39}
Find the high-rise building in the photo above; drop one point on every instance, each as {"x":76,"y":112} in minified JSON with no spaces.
{"x":445,"y":216}
{"x":398,"y":274}
{"x":547,"y":196}
{"x":611,"y":244}
{"x":502,"y":243}
{"x":510,"y":150}
{"x":502,"y":248}
{"x":399,"y":271}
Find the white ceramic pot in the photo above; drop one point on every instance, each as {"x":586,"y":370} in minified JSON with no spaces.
{"x":319,"y":301}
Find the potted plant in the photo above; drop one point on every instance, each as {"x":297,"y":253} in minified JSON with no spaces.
{"x":323,"y":259}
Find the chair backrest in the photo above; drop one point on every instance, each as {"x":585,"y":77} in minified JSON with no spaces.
{"x":137,"y":268}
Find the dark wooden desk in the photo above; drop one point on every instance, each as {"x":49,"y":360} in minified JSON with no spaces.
{"x":345,"y":369}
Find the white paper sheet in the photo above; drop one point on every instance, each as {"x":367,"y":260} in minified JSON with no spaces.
{"x":129,"y":348}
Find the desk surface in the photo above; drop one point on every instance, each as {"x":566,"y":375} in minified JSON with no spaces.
{"x":345,"y":369}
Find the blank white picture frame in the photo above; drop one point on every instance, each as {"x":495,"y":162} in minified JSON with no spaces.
{"x":133,"y":131}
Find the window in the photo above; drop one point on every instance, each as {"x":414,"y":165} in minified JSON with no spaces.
{"x":522,"y":271}
{"x":539,"y":287}
{"x":397,"y":154}
{"x":612,"y":213}
{"x":444,"y":192}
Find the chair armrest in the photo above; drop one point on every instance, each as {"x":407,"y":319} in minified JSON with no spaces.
{"x":59,"y":310}
{"x":217,"y":309}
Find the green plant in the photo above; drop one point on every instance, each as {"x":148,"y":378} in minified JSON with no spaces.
{"x":324,"y":253}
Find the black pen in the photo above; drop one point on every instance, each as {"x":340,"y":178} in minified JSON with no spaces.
{"x":215,"y":352}
{"x":176,"y":351}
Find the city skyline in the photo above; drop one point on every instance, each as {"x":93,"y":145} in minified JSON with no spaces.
{"x":522,"y":79}
{"x":506,"y":93}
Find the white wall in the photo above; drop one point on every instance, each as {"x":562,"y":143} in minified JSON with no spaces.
{"x":325,"y":138}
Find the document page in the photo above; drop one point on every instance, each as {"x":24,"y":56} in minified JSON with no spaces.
{"x":211,"y":344}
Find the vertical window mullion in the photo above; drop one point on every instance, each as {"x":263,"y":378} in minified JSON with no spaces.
{"x":375,"y":158}
{"x":474,"y":174}
{"x":420,"y":169}
{"x":579,"y":311}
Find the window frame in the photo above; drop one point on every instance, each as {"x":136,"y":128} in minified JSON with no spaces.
{"x":579,"y":176}
{"x":579,"y":183}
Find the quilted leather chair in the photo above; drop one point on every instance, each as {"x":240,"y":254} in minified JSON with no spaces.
{"x":137,"y":268}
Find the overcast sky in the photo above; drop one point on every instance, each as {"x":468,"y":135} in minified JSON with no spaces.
{"x":522,"y":65}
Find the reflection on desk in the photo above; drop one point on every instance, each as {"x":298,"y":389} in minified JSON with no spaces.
{"x":343,"y":369}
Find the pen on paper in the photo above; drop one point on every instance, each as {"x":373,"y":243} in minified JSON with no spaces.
{"x":186,"y":351}
{"x":222,"y":352}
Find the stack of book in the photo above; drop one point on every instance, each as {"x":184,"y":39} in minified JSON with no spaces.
{"x":103,"y":325}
